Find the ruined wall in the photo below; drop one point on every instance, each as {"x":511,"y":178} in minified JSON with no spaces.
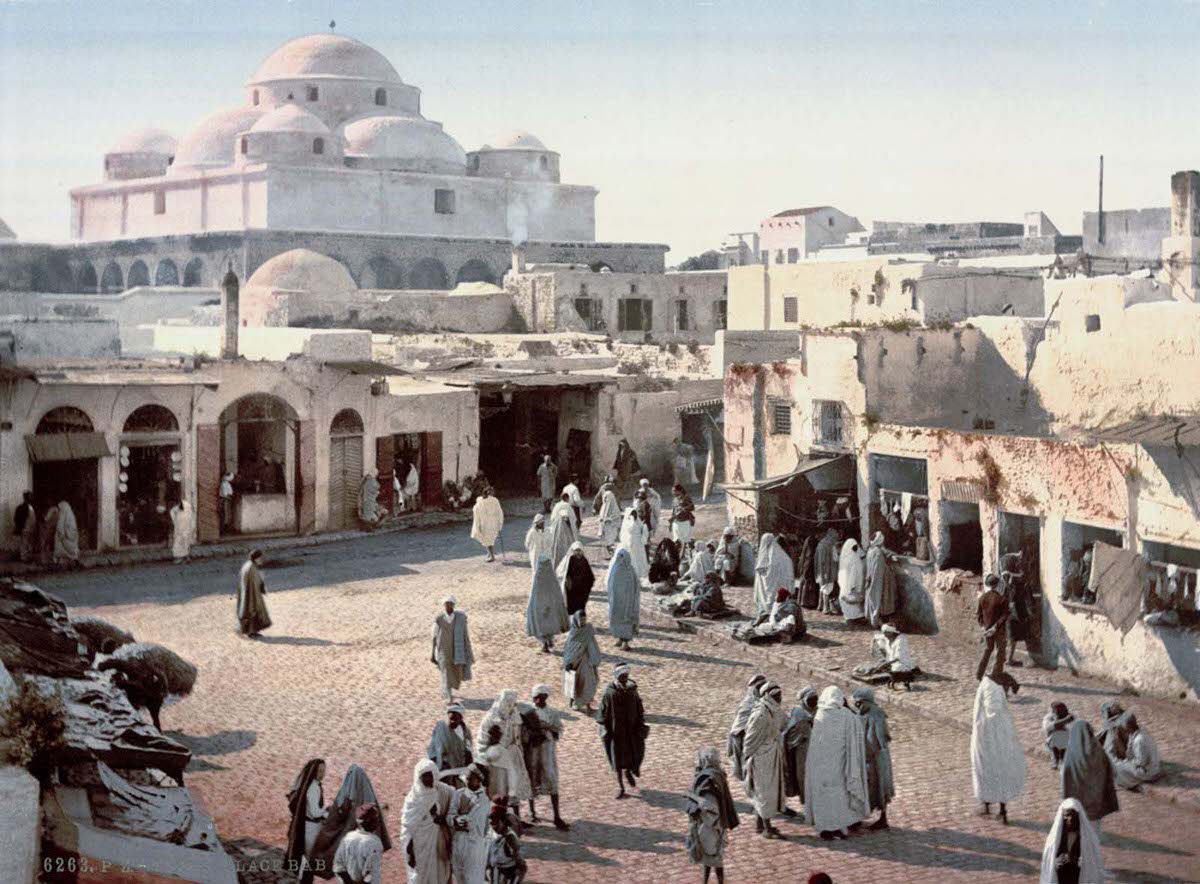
{"x":1143,"y":494}
{"x":380,"y":310}
{"x":1136,"y":234}
{"x":59,"y":338}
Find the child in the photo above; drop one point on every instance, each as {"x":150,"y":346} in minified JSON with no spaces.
{"x":1055,"y":726}
{"x":504,"y":863}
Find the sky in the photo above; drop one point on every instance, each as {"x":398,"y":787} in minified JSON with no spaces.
{"x":693,"y":119}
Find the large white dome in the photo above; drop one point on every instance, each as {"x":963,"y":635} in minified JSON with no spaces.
{"x":290,"y":118}
{"x":154,"y":141}
{"x":409,"y":144}
{"x":212,"y":142}
{"x":303,"y":270}
{"x":325,"y":55}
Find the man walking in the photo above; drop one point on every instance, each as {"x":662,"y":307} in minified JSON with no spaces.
{"x":452,"y":652}
{"x":251,"y":597}
{"x":488,"y":520}
{"x":992,"y":614}
{"x":623,"y":728}
{"x":541,"y":755}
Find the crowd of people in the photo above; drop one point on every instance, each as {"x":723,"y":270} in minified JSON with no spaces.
{"x":826,"y":761}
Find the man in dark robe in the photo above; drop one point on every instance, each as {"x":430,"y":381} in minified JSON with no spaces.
{"x":881,"y":787}
{"x":450,"y":746}
{"x":795,"y":744}
{"x":992,"y":612}
{"x":356,"y":790}
{"x":807,"y":594}
{"x":664,"y":561}
{"x":626,"y":468}
{"x":251,"y":597}
{"x":623,"y":728}
{"x":306,"y":805}
{"x":578,"y":581}
{"x":1012,"y":578}
{"x":1087,"y":774}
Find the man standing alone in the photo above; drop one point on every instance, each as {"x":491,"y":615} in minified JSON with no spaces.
{"x":992,"y":613}
{"x":452,"y":652}
{"x":488,"y":522}
{"x":251,"y":600}
{"x":623,"y":728}
{"x":547,"y":475}
{"x":25,"y":527}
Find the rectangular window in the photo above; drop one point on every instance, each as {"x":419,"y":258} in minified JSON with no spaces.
{"x":781,"y":417}
{"x":720,"y":315}
{"x":1077,"y":543}
{"x":635,"y":314}
{"x":962,"y":528}
{"x":443,"y":201}
{"x":791,"y":310}
{"x":681,"y":315}
{"x":779,"y":256}
{"x":160,"y":202}
{"x":590,"y":310}
{"x":828,"y":429}
{"x":765,"y":257}
{"x":1171,"y":580}
{"x":793,"y":256}
{"x":313,"y":93}
{"x":907,"y":475}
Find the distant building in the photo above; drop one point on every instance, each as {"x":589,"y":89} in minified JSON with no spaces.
{"x":740,"y":249}
{"x":1036,"y":235}
{"x":795,"y":234}
{"x":1133,"y":234}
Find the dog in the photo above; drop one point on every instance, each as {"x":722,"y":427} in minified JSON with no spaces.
{"x":1007,"y":682}
{"x":901,"y":678}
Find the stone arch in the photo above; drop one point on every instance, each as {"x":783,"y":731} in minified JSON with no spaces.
{"x":346,"y":422}
{"x":151,"y":418}
{"x":382,"y":272}
{"x":166,"y":273}
{"x":64,"y":419}
{"x":428,"y":273}
{"x":53,"y":274}
{"x":600,"y":267}
{"x":139,"y":274}
{"x":193,"y":273}
{"x":87,"y":280}
{"x":112,"y":281}
{"x":475,"y":270}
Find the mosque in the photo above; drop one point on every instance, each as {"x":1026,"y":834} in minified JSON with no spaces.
{"x":329,"y":151}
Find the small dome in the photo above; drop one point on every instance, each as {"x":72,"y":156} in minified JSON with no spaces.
{"x":290,"y":118}
{"x":405,"y":143}
{"x":212,"y":142}
{"x":302,"y":270}
{"x":515,"y":141}
{"x":325,"y":55}
{"x":145,"y":141}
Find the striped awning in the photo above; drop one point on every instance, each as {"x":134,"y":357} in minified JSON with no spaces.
{"x":963,"y":491}
{"x":51,"y":447}
{"x":701,"y":405}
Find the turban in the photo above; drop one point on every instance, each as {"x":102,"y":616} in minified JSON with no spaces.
{"x":540,"y":690}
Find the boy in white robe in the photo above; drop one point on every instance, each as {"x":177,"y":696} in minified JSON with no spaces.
{"x":423,"y":827}
{"x":469,"y":809}
{"x":537,"y":541}
{"x":487,"y":522}
{"x":359,"y":856}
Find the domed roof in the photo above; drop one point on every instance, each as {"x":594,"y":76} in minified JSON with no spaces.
{"x":290,"y":118}
{"x":413,"y":143}
{"x":211,"y":143}
{"x":145,"y":141}
{"x":325,"y":55}
{"x":302,"y":270}
{"x":516,"y":140}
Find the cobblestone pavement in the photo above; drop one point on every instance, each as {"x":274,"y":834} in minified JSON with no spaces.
{"x":345,"y":674}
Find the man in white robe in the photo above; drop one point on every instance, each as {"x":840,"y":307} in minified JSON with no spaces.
{"x":368,"y":499}
{"x":562,"y":530}
{"x":423,"y":827}
{"x":469,"y":809}
{"x":851,"y":574}
{"x":505,"y":714}
{"x":763,"y":750}
{"x":547,"y":475}
{"x":997,"y":759}
{"x":633,"y":541}
{"x":487,"y":522}
{"x":181,"y":531}
{"x":735,"y":743}
{"x":537,"y":541}
{"x":575,"y":499}
{"x":412,"y":488}
{"x":610,"y":517}
{"x":66,"y":536}
{"x":835,"y":771}
{"x":1141,"y":763}
{"x":773,"y":571}
{"x":452,"y":653}
{"x":655,"y":500}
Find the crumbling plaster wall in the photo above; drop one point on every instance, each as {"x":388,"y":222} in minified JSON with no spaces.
{"x":1145,"y":495}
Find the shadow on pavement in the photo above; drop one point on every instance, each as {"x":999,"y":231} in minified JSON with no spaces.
{"x":220,"y":743}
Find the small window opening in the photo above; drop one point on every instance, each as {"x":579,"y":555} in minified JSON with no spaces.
{"x":160,"y":202}
{"x":381,"y":97}
{"x":313,"y":93}
{"x":1092,"y":322}
{"x":254,"y":97}
{"x":545,"y":162}
{"x":443,"y":201}
{"x":245,"y":144}
{"x":318,"y":146}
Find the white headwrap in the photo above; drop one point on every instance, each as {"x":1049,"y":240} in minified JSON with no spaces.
{"x":619,"y":670}
{"x":450,"y":600}
{"x":540,"y":690}
{"x":456,"y":707}
{"x":1091,"y":864}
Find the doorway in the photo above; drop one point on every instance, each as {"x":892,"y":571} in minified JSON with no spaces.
{"x":1022,"y":534}
{"x":149,"y":483}
{"x":65,"y":452}
{"x":345,"y":468}
{"x":409,"y":467}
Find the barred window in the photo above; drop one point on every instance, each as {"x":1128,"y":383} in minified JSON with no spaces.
{"x":791,"y":310}
{"x":781,"y":417}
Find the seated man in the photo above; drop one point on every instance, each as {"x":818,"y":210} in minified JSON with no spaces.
{"x":890,"y":653}
{"x":667,"y":586}
{"x":1141,"y":763}
{"x":727,"y":557}
{"x":785,"y":622}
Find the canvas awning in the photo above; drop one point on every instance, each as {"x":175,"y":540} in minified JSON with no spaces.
{"x":1157,"y":430}
{"x":1117,"y":579}
{"x":702,"y":405}
{"x":962,"y":492}
{"x":52,"y":447}
{"x":836,"y":466}
{"x":366,"y":367}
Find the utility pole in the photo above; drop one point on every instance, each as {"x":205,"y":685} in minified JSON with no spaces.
{"x":1100,"y":221}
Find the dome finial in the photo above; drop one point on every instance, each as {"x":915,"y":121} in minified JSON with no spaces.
{"x":332,"y":24}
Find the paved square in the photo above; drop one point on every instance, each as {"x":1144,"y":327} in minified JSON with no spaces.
{"x":345,"y":674}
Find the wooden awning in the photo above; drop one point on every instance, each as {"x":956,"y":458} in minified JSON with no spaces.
{"x":52,"y":447}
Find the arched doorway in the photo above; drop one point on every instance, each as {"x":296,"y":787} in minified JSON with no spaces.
{"x":428,"y":273}
{"x":260,"y":441}
{"x":193,"y":273}
{"x":382,"y":273}
{"x":166,"y":273}
{"x":151,"y":475}
{"x":112,"y":281}
{"x":65,"y":452}
{"x":475,"y":270}
{"x":345,"y":468}
{"x":88,"y":281}
{"x":139,"y":274}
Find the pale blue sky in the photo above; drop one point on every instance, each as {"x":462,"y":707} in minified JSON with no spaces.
{"x":693,"y":119}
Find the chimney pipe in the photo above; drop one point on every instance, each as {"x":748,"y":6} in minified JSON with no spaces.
{"x":518,"y":259}
{"x":230,"y":312}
